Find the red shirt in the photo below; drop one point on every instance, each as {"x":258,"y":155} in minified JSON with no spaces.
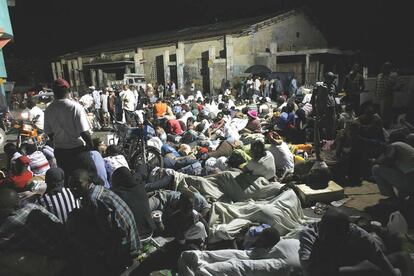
{"x":174,"y":127}
{"x":19,"y":181}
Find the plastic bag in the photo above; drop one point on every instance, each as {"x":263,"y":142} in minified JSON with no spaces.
{"x":397,"y":224}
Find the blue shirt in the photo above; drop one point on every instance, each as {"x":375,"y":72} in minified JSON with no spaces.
{"x":100,"y":167}
{"x":286,"y":119}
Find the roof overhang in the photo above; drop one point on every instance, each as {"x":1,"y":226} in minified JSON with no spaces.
{"x":332,"y":51}
{"x":109,"y":63}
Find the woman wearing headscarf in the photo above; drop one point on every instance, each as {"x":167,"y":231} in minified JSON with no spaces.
{"x":126,"y":186}
{"x":57,"y":199}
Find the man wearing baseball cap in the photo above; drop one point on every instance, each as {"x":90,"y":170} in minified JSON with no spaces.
{"x":67,"y":126}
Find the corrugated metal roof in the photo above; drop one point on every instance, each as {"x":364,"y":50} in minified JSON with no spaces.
{"x":240,"y":26}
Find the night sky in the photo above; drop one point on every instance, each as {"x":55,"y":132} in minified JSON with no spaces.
{"x":44,"y":29}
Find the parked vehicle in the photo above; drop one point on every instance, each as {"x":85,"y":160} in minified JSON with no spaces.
{"x":27,"y":131}
{"x":136,"y":80}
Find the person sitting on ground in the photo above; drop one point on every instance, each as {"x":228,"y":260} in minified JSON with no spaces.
{"x":83,"y":187}
{"x":287,"y":118}
{"x":334,"y":246}
{"x":371,"y":123}
{"x":160,"y":132}
{"x":302,"y":114}
{"x":49,"y":152}
{"x":30,"y":237}
{"x":174,"y":127}
{"x":126,"y":186}
{"x":190,"y":123}
{"x":395,"y":170}
{"x":346,"y":117}
{"x":99,"y":164}
{"x":99,"y":146}
{"x":253,"y":125}
{"x":189,"y":229}
{"x":284,"y":158}
{"x":12,"y":154}
{"x":57,"y":199}
{"x":216,"y":129}
{"x":160,"y":109}
{"x":21,"y":175}
{"x":114,"y":160}
{"x":263,"y":162}
{"x":38,"y":161}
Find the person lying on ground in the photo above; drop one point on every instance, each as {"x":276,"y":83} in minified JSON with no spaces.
{"x":165,"y":200}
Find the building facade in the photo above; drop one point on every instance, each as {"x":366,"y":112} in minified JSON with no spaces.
{"x":285,"y":42}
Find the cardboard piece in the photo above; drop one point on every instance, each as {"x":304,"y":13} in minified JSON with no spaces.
{"x":331,"y":193}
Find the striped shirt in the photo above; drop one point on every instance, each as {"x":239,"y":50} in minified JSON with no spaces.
{"x":38,"y":163}
{"x":59,"y":203}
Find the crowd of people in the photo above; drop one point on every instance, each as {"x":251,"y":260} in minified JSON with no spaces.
{"x":78,"y":207}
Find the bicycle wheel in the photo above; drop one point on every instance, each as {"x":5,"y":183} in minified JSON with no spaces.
{"x":153,"y":158}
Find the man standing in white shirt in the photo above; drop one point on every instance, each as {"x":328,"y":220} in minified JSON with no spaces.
{"x":67,"y":126}
{"x":104,"y":108}
{"x":257,"y":84}
{"x":173,"y":88}
{"x":87,"y":101}
{"x":96,"y":95}
{"x":128,"y":103}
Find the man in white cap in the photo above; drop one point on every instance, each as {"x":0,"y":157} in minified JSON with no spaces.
{"x":70,"y":137}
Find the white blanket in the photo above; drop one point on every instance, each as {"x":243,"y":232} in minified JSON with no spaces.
{"x":240,"y":199}
{"x":229,"y":186}
{"x":279,"y":260}
{"x":283,"y":212}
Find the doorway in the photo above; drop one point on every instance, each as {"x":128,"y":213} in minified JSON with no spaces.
{"x":205,"y":72}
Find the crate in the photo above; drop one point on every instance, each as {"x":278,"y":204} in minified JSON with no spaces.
{"x":309,"y":196}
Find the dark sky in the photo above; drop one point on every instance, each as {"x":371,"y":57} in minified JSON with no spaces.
{"x":46,"y":28}
{"x":50,"y":27}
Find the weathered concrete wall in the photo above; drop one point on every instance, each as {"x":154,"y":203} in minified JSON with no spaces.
{"x":219,"y":69}
{"x":285,"y":34}
{"x":150,"y":54}
{"x":298,"y":69}
{"x":251,"y":49}
{"x":243,"y":55}
{"x":193,"y":61}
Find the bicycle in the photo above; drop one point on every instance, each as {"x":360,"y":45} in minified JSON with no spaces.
{"x":132,"y":141}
